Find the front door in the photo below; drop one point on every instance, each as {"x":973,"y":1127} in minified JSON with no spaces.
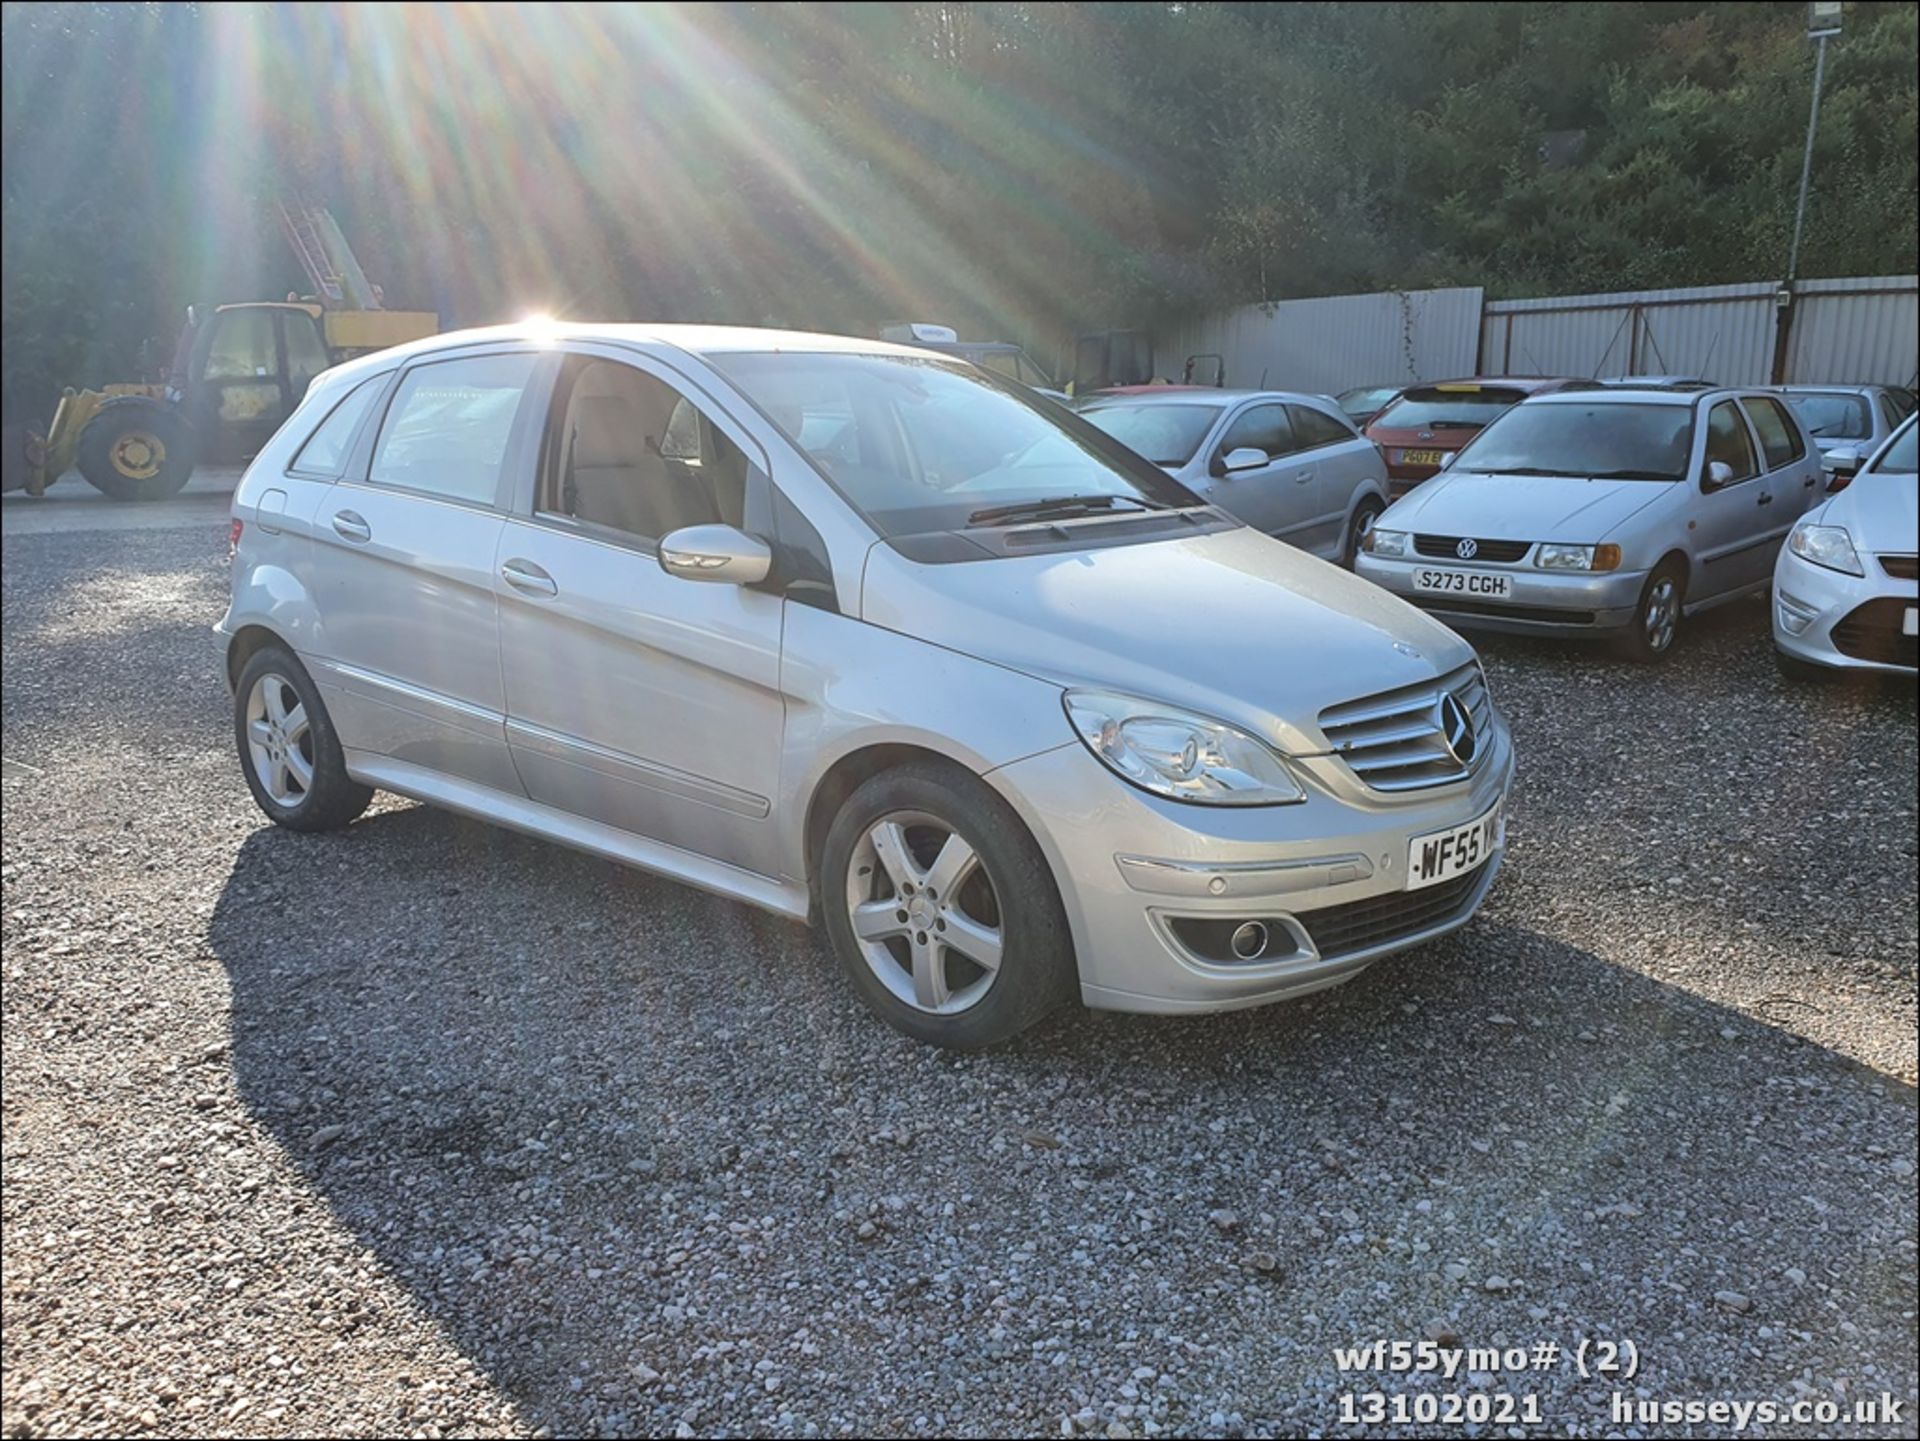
{"x":1341,"y":461}
{"x":404,"y":560}
{"x":1736,"y":541}
{"x":1279,"y":497}
{"x":635,"y":698}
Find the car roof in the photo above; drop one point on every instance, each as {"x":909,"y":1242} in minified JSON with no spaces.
{"x":1527,"y":383}
{"x":1645,"y":394}
{"x":1832,"y":389}
{"x":1175,"y":394}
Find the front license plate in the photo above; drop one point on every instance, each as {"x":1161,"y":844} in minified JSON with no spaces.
{"x":1443,"y":855}
{"x":1422,"y":457}
{"x":1464,"y":582}
{"x":1910,"y":622}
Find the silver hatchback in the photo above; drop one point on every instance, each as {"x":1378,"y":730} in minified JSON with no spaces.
{"x":1288,"y":464}
{"x":1604,"y":512}
{"x":860,"y":634}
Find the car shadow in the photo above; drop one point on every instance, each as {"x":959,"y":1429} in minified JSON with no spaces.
{"x":613,"y":1134}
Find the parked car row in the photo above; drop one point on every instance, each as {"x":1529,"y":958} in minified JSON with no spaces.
{"x":1013,"y":700}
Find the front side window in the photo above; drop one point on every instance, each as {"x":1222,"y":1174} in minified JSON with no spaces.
{"x":242,"y":346}
{"x":325,"y":451}
{"x":1164,"y":434}
{"x":920,"y":444}
{"x":306,"y":351}
{"x":1264,"y":428}
{"x":447,"y":429}
{"x":1728,"y":441}
{"x":1591,"y":439}
{"x":629,"y":453}
{"x":1314,"y":428}
{"x":1779,"y":439}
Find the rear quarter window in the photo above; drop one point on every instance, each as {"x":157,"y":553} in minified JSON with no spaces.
{"x":324,"y":453}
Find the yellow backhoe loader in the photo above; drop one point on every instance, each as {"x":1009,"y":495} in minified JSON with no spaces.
{"x":237,"y":373}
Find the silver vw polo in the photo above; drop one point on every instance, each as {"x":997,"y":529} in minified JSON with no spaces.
{"x":856,"y":633}
{"x":1614,"y":513}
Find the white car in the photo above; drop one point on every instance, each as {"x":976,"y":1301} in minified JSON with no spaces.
{"x":1844,"y":591}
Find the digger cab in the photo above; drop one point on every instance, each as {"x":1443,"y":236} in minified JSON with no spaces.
{"x":241,"y":370}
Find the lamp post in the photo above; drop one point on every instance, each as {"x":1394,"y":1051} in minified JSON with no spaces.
{"x":1823,"y":22}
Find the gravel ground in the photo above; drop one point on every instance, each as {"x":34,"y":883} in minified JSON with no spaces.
{"x":425,"y":1128}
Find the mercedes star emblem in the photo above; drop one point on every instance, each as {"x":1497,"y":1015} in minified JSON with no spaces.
{"x":1456,"y":729}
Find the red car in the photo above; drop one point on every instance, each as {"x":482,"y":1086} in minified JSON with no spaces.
{"x":1426,"y":424}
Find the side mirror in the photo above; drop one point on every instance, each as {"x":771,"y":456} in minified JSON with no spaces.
{"x":1719,"y":475}
{"x":1841,"y":464}
{"x":715,"y":552}
{"x":1245,"y":457}
{"x":1447,"y":458}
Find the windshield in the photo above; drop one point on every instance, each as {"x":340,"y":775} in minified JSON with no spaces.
{"x":925,"y":444}
{"x":1902,"y":455}
{"x":1014,"y":365}
{"x":1829,"y":415}
{"x":1164,"y":434}
{"x":1436,"y":407}
{"x":1592,"y":440}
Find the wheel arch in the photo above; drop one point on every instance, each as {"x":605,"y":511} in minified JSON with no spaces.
{"x":845,"y":776}
{"x":245,"y":643}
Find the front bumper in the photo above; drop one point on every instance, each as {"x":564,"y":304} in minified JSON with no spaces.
{"x":1543,"y":602}
{"x":1134,"y":871}
{"x":1811,"y":603}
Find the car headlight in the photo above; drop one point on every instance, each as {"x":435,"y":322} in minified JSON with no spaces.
{"x":1827,"y":545}
{"x":1554,"y":556}
{"x":1387,"y":542}
{"x":1178,"y":754}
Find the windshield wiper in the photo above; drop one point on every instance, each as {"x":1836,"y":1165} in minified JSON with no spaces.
{"x":1631,"y":475}
{"x":1057,"y":507}
{"x":1518,"y":470}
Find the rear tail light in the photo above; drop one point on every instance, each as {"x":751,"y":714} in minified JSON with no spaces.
{"x":233,"y":538}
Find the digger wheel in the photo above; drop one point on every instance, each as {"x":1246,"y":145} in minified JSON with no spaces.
{"x":135,"y":448}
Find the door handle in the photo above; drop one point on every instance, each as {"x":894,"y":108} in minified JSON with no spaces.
{"x":1765,"y":499}
{"x":1301,"y":477}
{"x":351,"y":525}
{"x":524,"y":575}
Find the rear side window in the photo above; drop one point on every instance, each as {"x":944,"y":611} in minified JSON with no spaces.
{"x":1727,"y":440}
{"x":446,"y":431}
{"x":325,"y":451}
{"x":1313,"y":428}
{"x":1779,"y":437}
{"x":1264,"y":428}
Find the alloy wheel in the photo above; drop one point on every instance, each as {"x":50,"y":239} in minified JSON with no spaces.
{"x":925,"y":913}
{"x":1662,"y":613}
{"x":280,"y":741}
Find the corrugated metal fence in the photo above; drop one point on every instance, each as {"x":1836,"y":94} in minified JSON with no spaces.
{"x":1333,"y":343}
{"x":1863,"y":330}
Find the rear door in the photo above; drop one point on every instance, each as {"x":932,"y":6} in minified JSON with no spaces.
{"x":1785,"y":461}
{"x":1735,"y":540}
{"x":1278,"y":497}
{"x":635,"y":698}
{"x":409,"y":653}
{"x":1342,"y":462}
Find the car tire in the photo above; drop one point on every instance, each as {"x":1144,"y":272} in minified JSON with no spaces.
{"x":1364,"y":515}
{"x":289,"y":752}
{"x":1655,"y":629}
{"x":136,"y":448}
{"x":914,"y":954}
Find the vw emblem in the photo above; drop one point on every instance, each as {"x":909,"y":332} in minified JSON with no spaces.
{"x":1467,"y":549}
{"x":1450,"y":718}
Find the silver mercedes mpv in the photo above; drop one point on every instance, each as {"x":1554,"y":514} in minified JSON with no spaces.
{"x":863,"y":635}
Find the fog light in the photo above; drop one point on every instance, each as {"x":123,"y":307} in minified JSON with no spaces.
{"x":1795,"y":614}
{"x":1250,"y":941}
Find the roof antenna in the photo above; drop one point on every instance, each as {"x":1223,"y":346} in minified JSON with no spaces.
{"x":1263,"y":377}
